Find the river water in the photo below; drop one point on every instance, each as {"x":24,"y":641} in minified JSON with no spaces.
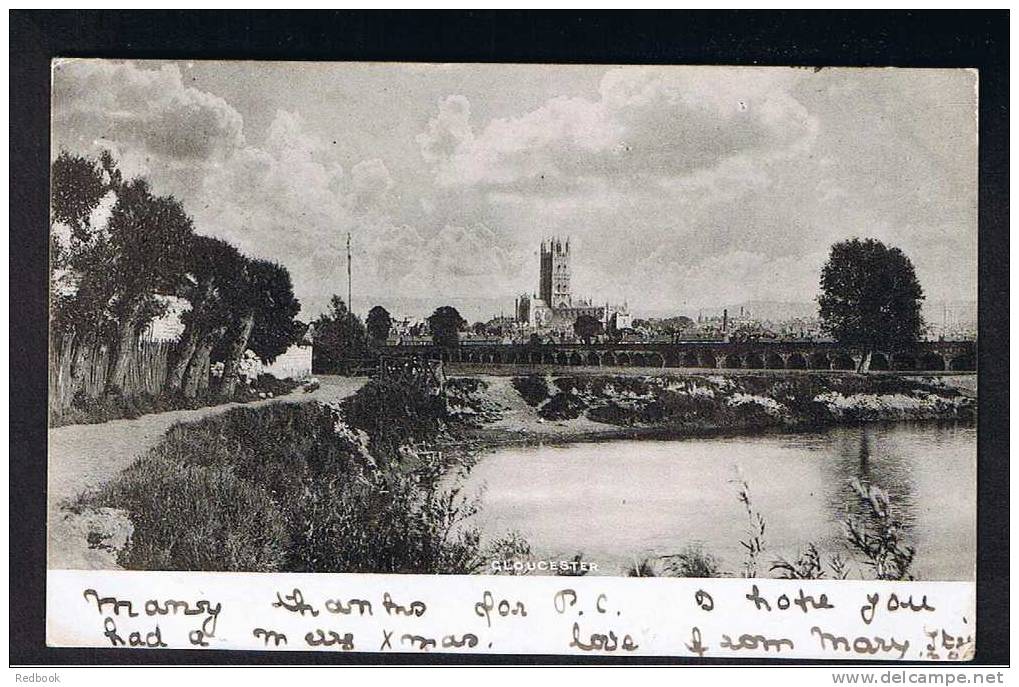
{"x":616,"y":502}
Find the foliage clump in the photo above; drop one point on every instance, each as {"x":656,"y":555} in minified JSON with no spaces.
{"x":226,"y":493}
{"x":870,"y":297}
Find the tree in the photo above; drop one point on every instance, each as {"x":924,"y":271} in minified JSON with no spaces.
{"x":276,"y":328}
{"x":77,"y":186}
{"x":587,"y":327}
{"x":339,"y":335}
{"x":445,"y":324}
{"x":870,"y":297}
{"x":265,"y":299}
{"x":78,"y":248}
{"x":148,"y":237}
{"x":214,"y":269}
{"x":379,"y":322}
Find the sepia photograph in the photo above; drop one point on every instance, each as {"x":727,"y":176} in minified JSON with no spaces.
{"x":513,"y":320}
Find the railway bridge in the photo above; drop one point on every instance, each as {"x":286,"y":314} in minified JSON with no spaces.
{"x":779,"y":355}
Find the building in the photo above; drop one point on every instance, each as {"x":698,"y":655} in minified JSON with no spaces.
{"x":554,"y":279}
{"x":169,"y":326}
{"x":553,"y":308}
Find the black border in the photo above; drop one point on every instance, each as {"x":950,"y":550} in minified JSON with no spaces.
{"x":976,"y":39}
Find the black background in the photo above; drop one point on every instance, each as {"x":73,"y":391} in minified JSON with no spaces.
{"x":811,"y":38}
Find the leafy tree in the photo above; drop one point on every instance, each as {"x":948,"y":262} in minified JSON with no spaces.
{"x":148,"y":237}
{"x":379,"y":322}
{"x":339,"y":335}
{"x":77,"y":186}
{"x":870,"y":297}
{"x":79,"y":306}
{"x":275,"y":328}
{"x":445,"y":324}
{"x":264,"y":300}
{"x":214,"y":267}
{"x":587,"y":327}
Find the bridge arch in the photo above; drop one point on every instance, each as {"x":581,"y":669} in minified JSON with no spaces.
{"x":842,"y":361}
{"x":797,"y":361}
{"x":903,"y":361}
{"x":687,"y":359}
{"x":819,"y":361}
{"x":773,"y":361}
{"x":879,"y":361}
{"x":962,"y":363}
{"x":732,"y":362}
{"x":575,"y":358}
{"x":754,"y":361}
{"x":930,"y":361}
{"x":707,"y":359}
{"x":673,"y":358}
{"x":621,"y":358}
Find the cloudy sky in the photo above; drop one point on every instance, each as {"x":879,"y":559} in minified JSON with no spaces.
{"x":680,"y":187}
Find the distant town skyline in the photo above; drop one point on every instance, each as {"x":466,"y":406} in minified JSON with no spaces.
{"x":681,"y":187}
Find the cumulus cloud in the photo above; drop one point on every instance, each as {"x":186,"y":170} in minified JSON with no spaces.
{"x":449,"y":132}
{"x":370,"y":182}
{"x":141,"y":113}
{"x":646,"y":123}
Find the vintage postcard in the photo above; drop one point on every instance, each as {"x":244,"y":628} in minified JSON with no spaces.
{"x":513,"y":359}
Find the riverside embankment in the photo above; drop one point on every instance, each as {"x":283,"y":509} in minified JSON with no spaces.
{"x":358,"y":485}
{"x":554,"y":407}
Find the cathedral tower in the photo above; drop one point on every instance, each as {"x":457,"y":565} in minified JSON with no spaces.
{"x":554,"y":286}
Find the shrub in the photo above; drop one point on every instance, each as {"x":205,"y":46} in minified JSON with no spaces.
{"x":807,"y":567}
{"x":533,"y":389}
{"x":754,"y":544}
{"x":395,"y":412}
{"x":563,"y":406}
{"x":189,"y":517}
{"x":878,"y":535}
{"x":692,"y":561}
{"x":512,"y":546}
{"x":115,"y":405}
{"x":291,"y":487}
{"x":384,"y":521}
{"x":467,"y":402}
{"x":647,"y":567}
{"x":576,"y":570}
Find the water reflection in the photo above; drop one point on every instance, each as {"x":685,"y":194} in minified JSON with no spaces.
{"x":618,"y":501}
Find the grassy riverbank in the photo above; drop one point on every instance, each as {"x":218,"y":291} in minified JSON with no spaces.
{"x":558,"y":408}
{"x":374,"y":483}
{"x":353,"y":486}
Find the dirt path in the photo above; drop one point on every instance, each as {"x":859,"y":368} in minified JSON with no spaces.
{"x":83,"y":457}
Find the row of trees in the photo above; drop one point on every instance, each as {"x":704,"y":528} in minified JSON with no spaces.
{"x":117,"y":250}
{"x":870,"y":298}
{"x":341,"y":336}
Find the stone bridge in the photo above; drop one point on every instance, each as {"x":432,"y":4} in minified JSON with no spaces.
{"x":927,"y":356}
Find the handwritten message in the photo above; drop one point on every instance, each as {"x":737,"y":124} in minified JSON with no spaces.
{"x":495,"y":614}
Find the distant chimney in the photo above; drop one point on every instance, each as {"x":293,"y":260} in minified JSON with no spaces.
{"x":725,"y":320}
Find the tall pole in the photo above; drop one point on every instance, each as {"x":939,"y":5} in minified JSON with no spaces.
{"x":350,"y":305}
